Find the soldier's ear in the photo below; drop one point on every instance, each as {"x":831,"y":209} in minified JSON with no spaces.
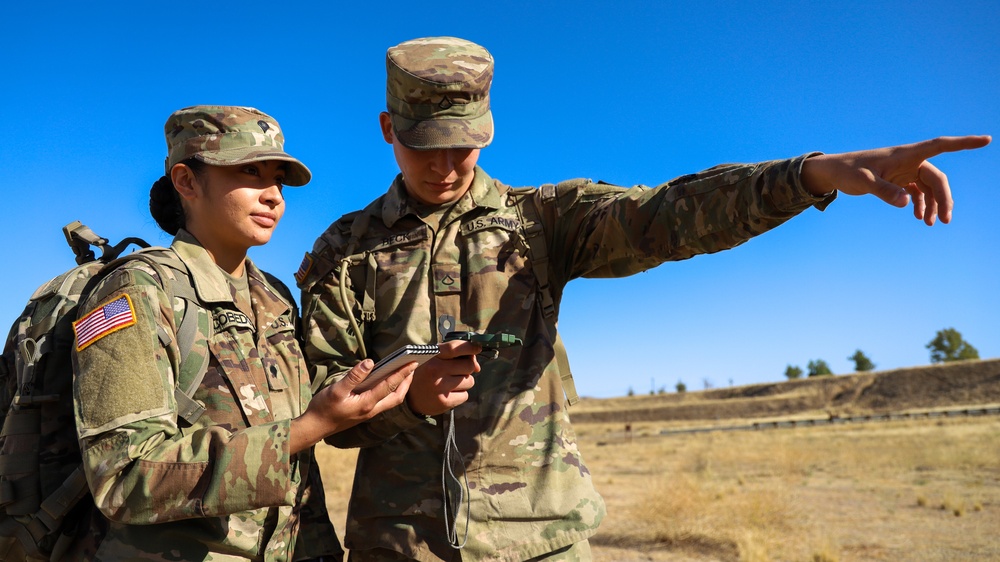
{"x":385,"y":121}
{"x":183,"y":178}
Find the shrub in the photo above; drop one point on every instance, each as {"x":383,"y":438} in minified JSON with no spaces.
{"x":819,"y":368}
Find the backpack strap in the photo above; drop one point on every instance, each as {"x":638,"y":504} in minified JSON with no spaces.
{"x":194,"y":369}
{"x":359,"y":226}
{"x":20,"y":540}
{"x":177,"y":283}
{"x":528,"y":205}
{"x":529,"y":213}
{"x":81,"y":238}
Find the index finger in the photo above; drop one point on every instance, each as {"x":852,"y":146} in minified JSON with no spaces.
{"x":458,"y":348}
{"x":930,"y":148}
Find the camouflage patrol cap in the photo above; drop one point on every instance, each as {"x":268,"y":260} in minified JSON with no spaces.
{"x":223,"y":135}
{"x":438,"y":93}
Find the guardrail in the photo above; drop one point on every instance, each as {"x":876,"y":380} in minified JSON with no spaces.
{"x":833,"y":420}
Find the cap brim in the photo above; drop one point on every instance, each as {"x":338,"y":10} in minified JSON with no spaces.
{"x":296,"y":173}
{"x":430,"y":134}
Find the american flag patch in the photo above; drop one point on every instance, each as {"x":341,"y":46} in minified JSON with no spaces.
{"x":304,"y":267}
{"x":109,"y":317}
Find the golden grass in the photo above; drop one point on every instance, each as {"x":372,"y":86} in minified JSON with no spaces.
{"x":901,"y":490}
{"x":337,"y":466}
{"x":835,"y":493}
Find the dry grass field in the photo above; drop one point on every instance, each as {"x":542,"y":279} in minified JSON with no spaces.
{"x":923,"y":489}
{"x":907,"y":490}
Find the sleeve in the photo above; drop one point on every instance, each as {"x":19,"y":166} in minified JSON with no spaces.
{"x":141,"y":467}
{"x":331,"y":345}
{"x":607,"y":231}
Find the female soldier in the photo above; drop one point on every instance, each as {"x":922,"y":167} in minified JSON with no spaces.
{"x":238,"y":481}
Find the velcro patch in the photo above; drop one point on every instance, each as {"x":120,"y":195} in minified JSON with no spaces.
{"x":108,"y":318}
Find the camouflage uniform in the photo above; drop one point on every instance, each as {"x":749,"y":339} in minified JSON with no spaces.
{"x":224,"y":487}
{"x":413,"y":275}
{"x":531,"y":492}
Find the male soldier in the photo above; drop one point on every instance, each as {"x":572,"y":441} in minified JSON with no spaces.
{"x":449,"y":248}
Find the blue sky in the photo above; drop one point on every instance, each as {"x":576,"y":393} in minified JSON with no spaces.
{"x":627,"y":92}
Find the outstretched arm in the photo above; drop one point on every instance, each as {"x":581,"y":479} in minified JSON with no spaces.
{"x":893,"y":174}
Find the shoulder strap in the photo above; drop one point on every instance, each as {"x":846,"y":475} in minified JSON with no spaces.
{"x":359,"y":226}
{"x":80,"y":238}
{"x":529,"y":213}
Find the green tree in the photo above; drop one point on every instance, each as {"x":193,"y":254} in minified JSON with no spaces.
{"x":948,"y":345}
{"x":818,"y":368}
{"x":681,"y":387}
{"x":793,"y":372}
{"x":861,"y":361}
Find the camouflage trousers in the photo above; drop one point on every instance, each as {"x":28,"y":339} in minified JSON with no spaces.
{"x":579,"y":552}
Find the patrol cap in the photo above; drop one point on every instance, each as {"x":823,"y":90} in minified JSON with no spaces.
{"x":438,"y":93}
{"x":224,"y":135}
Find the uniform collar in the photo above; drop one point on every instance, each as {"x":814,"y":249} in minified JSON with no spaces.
{"x":396,"y":203}
{"x":209,"y":282}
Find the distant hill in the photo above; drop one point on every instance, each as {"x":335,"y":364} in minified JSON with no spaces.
{"x":943,"y":385}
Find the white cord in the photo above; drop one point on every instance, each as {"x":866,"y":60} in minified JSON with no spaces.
{"x":451,"y":452}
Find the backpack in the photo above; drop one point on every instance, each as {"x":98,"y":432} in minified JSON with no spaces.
{"x":41,"y":477}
